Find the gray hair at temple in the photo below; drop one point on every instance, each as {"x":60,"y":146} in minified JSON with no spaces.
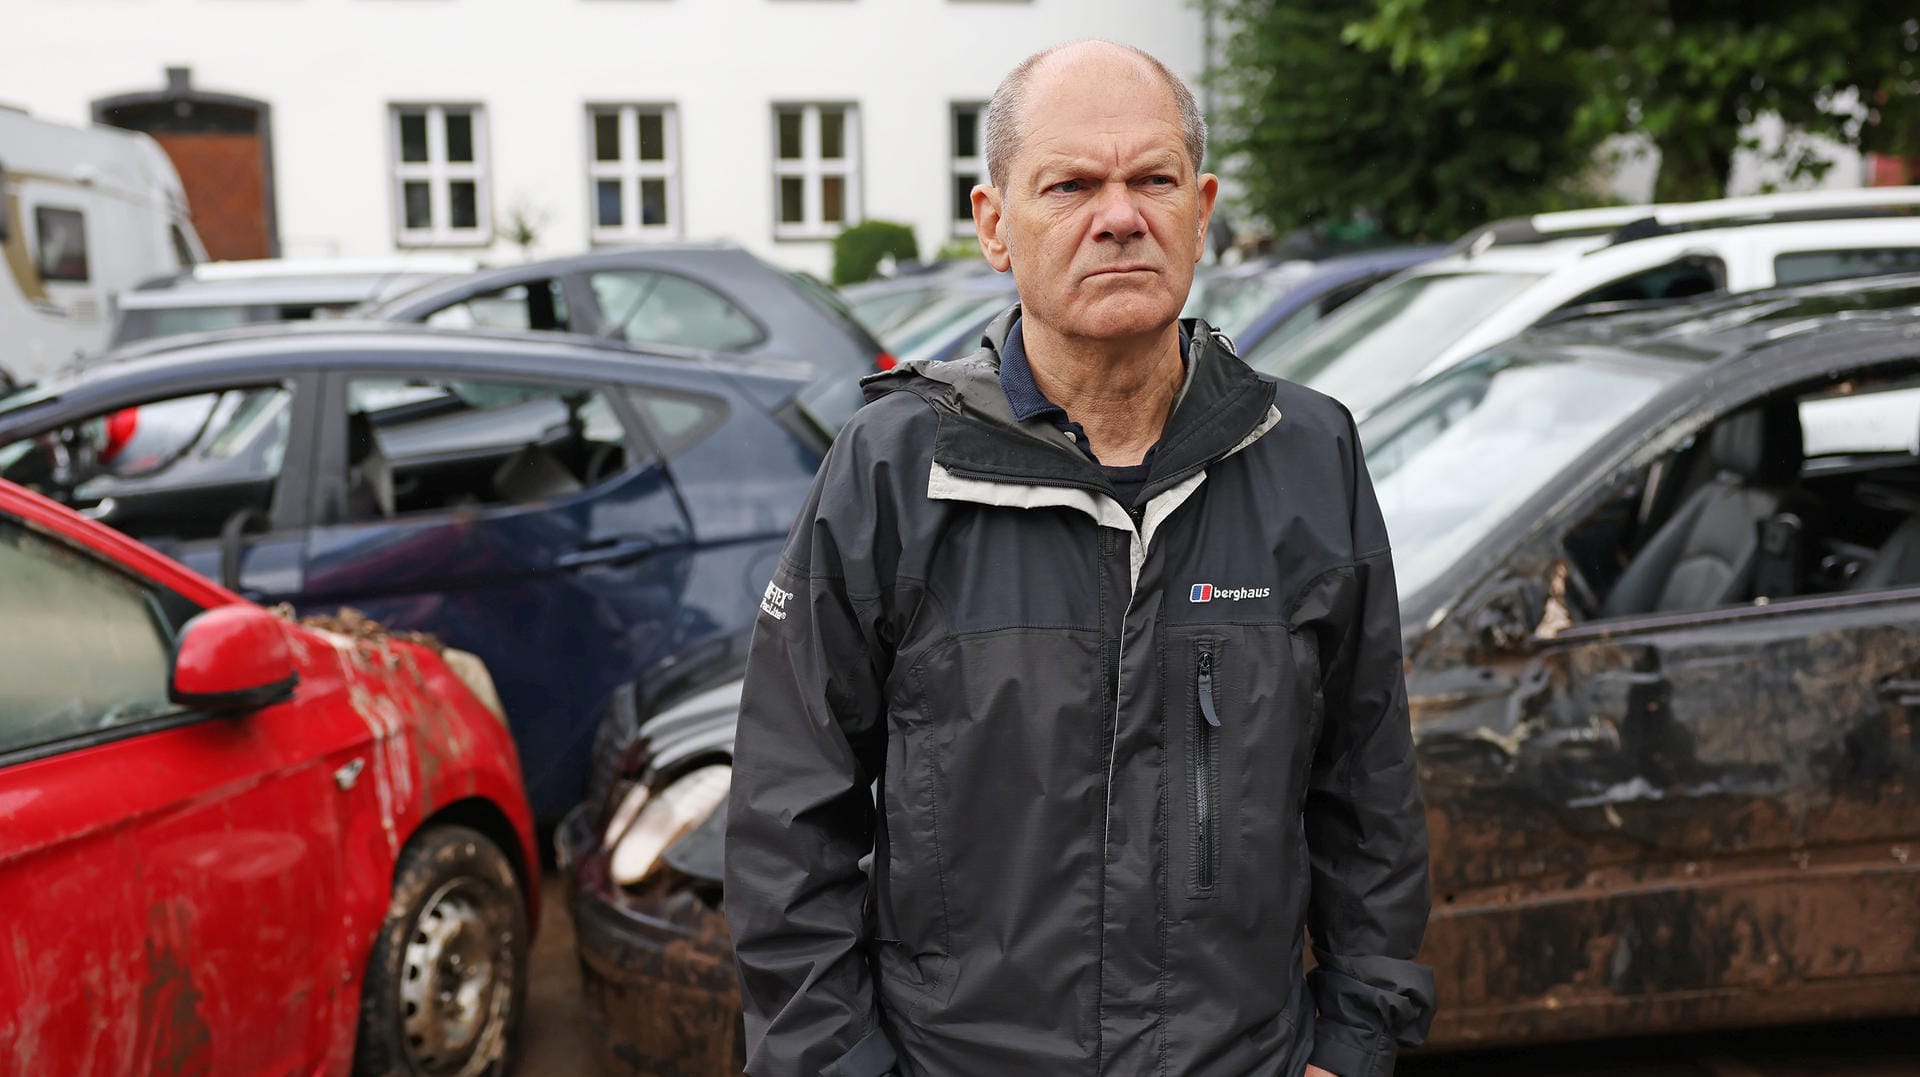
{"x":1002,"y":127}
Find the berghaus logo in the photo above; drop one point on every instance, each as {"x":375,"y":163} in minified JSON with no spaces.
{"x":1207,"y":592}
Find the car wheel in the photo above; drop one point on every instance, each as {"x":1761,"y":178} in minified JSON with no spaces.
{"x":447,"y":979}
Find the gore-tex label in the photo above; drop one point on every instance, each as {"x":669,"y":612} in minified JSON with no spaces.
{"x":1207,"y":592}
{"x":774,"y":602}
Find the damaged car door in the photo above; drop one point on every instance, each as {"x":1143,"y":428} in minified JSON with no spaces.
{"x":521,"y":520}
{"x":1673,"y":782}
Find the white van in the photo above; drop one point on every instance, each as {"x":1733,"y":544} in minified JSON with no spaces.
{"x":85,"y":213}
{"x":1508,"y":276}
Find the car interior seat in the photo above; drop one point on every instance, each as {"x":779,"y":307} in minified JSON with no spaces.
{"x":1896,"y":563}
{"x":370,"y":474}
{"x":1734,"y":537}
{"x":533,"y":474}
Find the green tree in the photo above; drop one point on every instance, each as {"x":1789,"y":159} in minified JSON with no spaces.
{"x":1320,"y":128}
{"x":1688,"y":74}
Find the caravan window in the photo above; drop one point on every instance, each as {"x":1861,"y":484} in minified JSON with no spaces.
{"x":62,"y":243}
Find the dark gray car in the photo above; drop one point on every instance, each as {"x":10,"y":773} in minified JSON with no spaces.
{"x":710,"y":296}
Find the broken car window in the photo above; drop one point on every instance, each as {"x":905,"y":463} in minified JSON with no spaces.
{"x":102,"y":631}
{"x":166,"y":469}
{"x":1455,"y":456}
{"x":426,"y":445}
{"x":663,"y":308}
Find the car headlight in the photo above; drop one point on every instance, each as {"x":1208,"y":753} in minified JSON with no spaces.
{"x":663,"y":818}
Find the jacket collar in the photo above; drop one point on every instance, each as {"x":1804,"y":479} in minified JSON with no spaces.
{"x":1222,"y":404}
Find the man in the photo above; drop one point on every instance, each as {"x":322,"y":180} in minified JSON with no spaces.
{"x":1091,"y":641}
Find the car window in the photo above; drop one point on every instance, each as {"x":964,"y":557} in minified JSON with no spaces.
{"x":1453,"y":457}
{"x":1807,"y":267}
{"x":429,"y":445}
{"x":105,"y":634}
{"x":665,"y":308}
{"x":1689,"y":276}
{"x":676,"y":419}
{"x":166,"y":322}
{"x":1379,"y":342}
{"x":177,"y":468}
{"x":540,"y":304}
{"x":62,"y":251}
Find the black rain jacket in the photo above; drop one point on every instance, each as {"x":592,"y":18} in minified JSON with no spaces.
{"x":1121,"y":757}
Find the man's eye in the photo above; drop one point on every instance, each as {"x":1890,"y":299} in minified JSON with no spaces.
{"x":1159,"y":181}
{"x":1067,"y":187}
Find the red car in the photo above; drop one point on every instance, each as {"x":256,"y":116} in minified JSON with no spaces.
{"x":234,"y":844}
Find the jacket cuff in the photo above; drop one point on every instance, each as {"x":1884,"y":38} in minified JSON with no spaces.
{"x":872,"y":1057}
{"x":1345,"y":1051}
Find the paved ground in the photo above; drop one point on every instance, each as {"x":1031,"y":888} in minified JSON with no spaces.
{"x":554,"y":1034}
{"x":554,"y":1043}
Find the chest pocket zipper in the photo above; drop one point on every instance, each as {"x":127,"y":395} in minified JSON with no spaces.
{"x":1206,"y":791}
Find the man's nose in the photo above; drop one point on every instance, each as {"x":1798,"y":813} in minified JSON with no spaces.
{"x":1116,"y":214}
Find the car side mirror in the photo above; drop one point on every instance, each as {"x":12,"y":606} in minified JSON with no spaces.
{"x":233,"y":659}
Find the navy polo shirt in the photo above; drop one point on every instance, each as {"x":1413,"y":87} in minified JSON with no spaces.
{"x":1028,"y":402}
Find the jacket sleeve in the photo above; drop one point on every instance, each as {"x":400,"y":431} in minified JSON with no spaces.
{"x":1366,"y":826}
{"x":800,"y":814}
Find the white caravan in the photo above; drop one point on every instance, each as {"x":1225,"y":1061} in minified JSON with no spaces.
{"x":85,"y":213}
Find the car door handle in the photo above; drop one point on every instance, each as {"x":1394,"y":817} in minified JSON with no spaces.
{"x":611,"y":552}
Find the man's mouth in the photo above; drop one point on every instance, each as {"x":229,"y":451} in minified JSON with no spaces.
{"x":1121,"y":269}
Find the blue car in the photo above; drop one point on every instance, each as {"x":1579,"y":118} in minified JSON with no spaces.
{"x":1269,"y":302}
{"x":596,"y":523}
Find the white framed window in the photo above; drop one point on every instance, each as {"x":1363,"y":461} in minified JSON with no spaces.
{"x":816,"y":170}
{"x":969,"y":161}
{"x":440,"y":191}
{"x":633,"y":182}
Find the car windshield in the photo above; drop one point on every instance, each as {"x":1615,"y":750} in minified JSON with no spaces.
{"x":1453,"y":457}
{"x":1380,"y":342}
{"x":927,"y":334}
{"x":1230,"y":304}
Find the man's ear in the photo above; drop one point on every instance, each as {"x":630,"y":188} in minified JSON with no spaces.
{"x":987,"y":220}
{"x":1209,"y":190}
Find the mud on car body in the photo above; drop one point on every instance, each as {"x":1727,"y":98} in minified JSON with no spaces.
{"x":1661,"y":580}
{"x":238,"y":844}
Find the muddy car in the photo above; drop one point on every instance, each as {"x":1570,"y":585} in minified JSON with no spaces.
{"x":1660,"y":592}
{"x":233,"y":843}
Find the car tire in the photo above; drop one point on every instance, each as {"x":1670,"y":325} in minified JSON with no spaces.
{"x":447,"y":980}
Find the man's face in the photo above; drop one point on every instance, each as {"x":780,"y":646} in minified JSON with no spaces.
{"x":1102,"y":218}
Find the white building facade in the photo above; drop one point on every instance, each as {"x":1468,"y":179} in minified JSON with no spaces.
{"x":461,"y":125}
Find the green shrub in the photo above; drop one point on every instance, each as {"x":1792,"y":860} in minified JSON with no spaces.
{"x":857,"y":251}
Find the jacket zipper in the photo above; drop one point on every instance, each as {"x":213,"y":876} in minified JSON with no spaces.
{"x":1205,"y":788}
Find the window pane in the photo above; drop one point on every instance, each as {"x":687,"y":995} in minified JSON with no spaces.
{"x":174,"y":469}
{"x":413,"y":136}
{"x":963,"y":184}
{"x":792,"y":201}
{"x":465,"y":209}
{"x":101,"y":631}
{"x":677,"y":421}
{"x":1806,"y":267}
{"x":434,"y":444}
{"x":668,"y":309}
{"x":419,"y":204}
{"x":63,"y":244}
{"x":790,"y":149}
{"x":606,"y":136}
{"x":653,"y":136}
{"x":833,"y":133}
{"x":653,"y":201}
{"x":966,"y":132}
{"x":606,"y":200}
{"x":539,"y":305}
{"x":460,"y":136}
{"x":833,"y":199}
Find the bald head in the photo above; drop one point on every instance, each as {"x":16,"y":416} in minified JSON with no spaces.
{"x":1005,"y":121}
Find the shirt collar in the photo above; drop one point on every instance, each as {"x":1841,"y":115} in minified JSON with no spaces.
{"x":1016,"y":378}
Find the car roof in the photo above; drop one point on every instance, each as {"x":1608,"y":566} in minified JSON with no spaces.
{"x":185,"y":292}
{"x":646,"y":256}
{"x":1626,"y":223}
{"x":284,"y":348}
{"x":1727,"y":324}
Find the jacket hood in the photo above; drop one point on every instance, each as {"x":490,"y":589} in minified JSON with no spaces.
{"x":1222,"y":403}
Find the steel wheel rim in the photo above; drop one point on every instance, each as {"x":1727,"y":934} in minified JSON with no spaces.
{"x":456,"y":976}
